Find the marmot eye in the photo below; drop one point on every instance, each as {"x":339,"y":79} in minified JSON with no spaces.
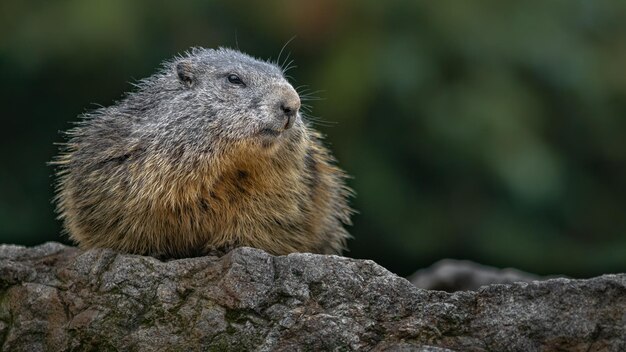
{"x":234,"y":79}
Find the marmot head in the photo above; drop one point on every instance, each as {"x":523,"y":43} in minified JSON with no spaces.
{"x":221,"y":94}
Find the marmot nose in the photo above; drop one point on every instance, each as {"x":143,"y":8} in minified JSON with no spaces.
{"x":289,"y":106}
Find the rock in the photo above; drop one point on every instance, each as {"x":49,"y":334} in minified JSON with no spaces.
{"x":58,"y":298}
{"x":461,"y":275}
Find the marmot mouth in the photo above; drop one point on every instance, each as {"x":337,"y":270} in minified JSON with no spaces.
{"x":277,"y":128}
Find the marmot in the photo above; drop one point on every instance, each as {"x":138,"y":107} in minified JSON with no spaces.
{"x":208,"y":154}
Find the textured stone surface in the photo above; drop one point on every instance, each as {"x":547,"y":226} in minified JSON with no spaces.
{"x":56,"y":298}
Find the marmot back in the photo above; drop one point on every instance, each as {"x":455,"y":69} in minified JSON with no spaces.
{"x":208,"y":154}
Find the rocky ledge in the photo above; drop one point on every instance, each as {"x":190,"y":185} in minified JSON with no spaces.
{"x":58,"y":298}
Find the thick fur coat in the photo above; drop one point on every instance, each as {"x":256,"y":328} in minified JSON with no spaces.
{"x":208,"y":154}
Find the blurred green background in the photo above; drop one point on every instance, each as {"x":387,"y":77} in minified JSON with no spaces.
{"x":484,"y":130}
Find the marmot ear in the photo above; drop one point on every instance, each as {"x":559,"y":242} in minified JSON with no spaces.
{"x":186,"y":75}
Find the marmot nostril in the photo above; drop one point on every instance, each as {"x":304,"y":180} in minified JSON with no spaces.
{"x":289,"y":110}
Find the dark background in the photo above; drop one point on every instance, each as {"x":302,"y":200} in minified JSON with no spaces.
{"x":484,"y":130}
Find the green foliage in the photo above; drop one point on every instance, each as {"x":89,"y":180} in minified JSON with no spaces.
{"x":489,"y":130}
